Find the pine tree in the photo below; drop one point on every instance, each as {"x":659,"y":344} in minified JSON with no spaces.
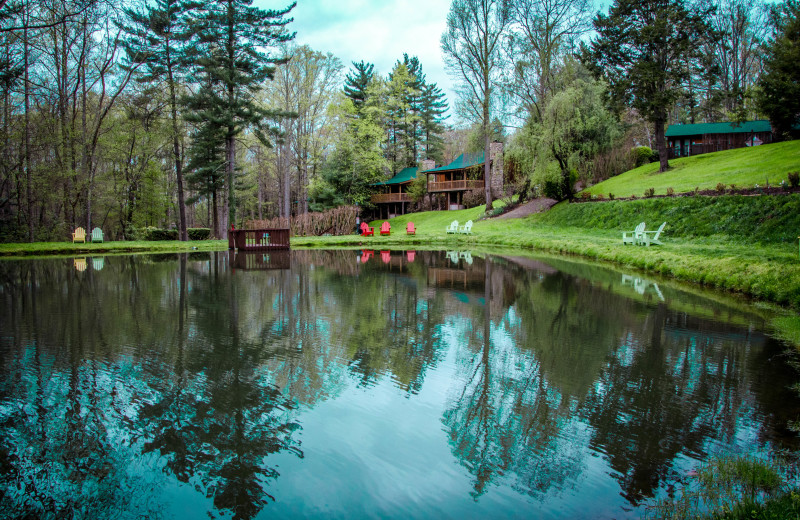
{"x":231,"y":59}
{"x":433,"y":107}
{"x":642,"y":50}
{"x":156,"y":40}
{"x":207,"y":152}
{"x":357,"y":82}
{"x":779,"y":95}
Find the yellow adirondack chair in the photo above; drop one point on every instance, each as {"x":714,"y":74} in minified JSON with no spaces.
{"x":79,"y":235}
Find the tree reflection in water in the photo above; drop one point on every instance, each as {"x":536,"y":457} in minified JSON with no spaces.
{"x":193,"y":372}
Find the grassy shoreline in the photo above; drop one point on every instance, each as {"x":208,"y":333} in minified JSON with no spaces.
{"x":755,"y":255}
{"x":27,"y":250}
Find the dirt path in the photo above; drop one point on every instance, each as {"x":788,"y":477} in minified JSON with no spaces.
{"x":534,"y":206}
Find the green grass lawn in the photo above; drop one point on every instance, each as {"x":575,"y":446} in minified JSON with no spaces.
{"x":121,"y":246}
{"x":744,"y":167}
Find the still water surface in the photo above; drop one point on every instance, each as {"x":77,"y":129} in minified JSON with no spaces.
{"x":346,"y":384}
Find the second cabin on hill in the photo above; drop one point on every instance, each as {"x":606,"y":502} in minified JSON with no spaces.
{"x":686,"y":140}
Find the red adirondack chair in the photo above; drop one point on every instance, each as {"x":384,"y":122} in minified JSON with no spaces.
{"x":386,"y":229}
{"x":386,"y":256}
{"x":366,"y":255}
{"x":410,"y":229}
{"x":366,"y":230}
{"x":411,"y":255}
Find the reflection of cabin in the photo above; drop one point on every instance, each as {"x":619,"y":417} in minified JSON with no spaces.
{"x":258,"y":239}
{"x":395,"y":198}
{"x":259,"y":261}
{"x":464,"y":174}
{"x":686,"y":140}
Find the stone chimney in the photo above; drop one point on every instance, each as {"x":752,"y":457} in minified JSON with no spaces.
{"x":427,"y":164}
{"x":496,"y":156}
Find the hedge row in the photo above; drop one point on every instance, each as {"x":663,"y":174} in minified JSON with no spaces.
{"x":153,"y":233}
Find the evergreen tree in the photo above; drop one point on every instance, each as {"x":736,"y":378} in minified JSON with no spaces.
{"x":357,"y":81}
{"x":401,"y":118}
{"x":233,"y":62}
{"x":207,"y":155}
{"x":642,"y":51}
{"x":779,"y":95}
{"x":433,"y":107}
{"x":156,"y":40}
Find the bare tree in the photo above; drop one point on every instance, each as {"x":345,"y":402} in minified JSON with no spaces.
{"x":741,"y":27}
{"x":544,"y":31}
{"x":472,"y":46}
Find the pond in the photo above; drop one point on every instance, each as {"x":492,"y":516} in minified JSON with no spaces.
{"x":394,"y":384}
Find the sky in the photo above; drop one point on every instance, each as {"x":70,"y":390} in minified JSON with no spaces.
{"x":375,"y":31}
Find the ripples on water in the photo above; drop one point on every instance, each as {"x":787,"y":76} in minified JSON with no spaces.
{"x":339,"y":383}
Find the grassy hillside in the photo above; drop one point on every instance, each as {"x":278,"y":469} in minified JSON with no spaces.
{"x":744,"y":167}
{"x":736,"y":243}
{"x":738,"y":218}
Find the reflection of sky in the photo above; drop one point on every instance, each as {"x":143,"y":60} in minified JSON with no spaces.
{"x":378,"y":442}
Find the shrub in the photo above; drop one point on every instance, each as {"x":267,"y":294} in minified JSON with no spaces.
{"x":198,"y":233}
{"x":600,"y":196}
{"x":794,"y":179}
{"x":733,"y":188}
{"x":474,"y":198}
{"x":720,"y":187}
{"x":585,"y":195}
{"x":649,"y":192}
{"x":552,"y":190}
{"x":670,"y":191}
{"x":154,"y":233}
{"x":642,"y":155}
{"x":611,"y":196}
{"x":493,"y":212}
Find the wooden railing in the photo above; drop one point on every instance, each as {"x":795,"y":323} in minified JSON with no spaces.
{"x":455,"y":185}
{"x":258,"y":239}
{"x":383,"y":198}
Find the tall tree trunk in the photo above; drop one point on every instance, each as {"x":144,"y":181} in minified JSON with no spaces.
{"x":487,"y":171}
{"x":230,"y":163}
{"x":661,"y":144}
{"x":27,"y":153}
{"x":85,"y":161}
{"x":214,"y":214}
{"x":176,"y":151}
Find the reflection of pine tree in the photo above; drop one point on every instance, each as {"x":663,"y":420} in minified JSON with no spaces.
{"x":221,"y":420}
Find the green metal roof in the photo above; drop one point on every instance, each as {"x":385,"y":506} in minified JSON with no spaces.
{"x":404,"y":175}
{"x":718,"y":128}
{"x":465,"y":160}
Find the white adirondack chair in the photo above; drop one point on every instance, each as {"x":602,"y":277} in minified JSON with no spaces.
{"x":647,"y":239}
{"x":453,"y":227}
{"x":635,"y":236}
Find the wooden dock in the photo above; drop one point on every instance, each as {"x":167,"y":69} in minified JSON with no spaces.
{"x":258,"y":239}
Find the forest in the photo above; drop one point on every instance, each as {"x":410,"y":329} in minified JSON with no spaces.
{"x":175,"y":114}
